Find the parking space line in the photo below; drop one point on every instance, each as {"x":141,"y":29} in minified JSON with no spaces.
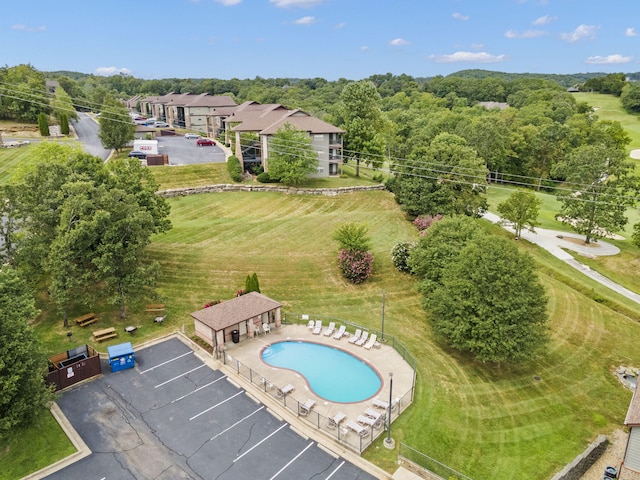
{"x":237,"y":423}
{"x":292,"y":460}
{"x":179,"y":376}
{"x":198,"y":389}
{"x":216,"y":405}
{"x":260,"y":442}
{"x":164,"y":363}
{"x":337,"y":468}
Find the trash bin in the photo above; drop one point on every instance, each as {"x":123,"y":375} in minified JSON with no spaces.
{"x":235,"y":336}
{"x":610,"y":472}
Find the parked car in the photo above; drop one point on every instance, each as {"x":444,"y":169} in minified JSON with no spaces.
{"x":191,"y":136}
{"x":138,"y":154}
{"x":202,"y":142}
{"x":161,"y":124}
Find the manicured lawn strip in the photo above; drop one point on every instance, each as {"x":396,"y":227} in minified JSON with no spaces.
{"x":28,"y":450}
{"x":11,"y":159}
{"x":182,"y":176}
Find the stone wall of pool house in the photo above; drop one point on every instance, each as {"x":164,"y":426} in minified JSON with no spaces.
{"x":243,"y":362}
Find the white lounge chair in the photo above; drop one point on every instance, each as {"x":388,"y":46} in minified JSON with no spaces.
{"x":369,"y":412}
{"x":371,"y":342}
{"x":285,"y":390}
{"x":330,"y":329}
{"x":266,"y":328}
{"x":340,"y":333}
{"x":256,"y":330}
{"x":356,"y":336}
{"x":305,"y":408}
{"x":381,"y":404}
{"x":334,"y":422}
{"x":318,"y":328}
{"x":362,"y":339}
{"x":359,"y":429}
{"x":370,"y":422}
{"x":311,"y":324}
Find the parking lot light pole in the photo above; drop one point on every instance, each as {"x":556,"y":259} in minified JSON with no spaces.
{"x":389,"y":442}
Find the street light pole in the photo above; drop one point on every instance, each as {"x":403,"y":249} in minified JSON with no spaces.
{"x":389,"y":442}
{"x":383,"y":315}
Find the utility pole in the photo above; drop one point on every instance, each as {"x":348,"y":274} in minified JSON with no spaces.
{"x":382,"y":316}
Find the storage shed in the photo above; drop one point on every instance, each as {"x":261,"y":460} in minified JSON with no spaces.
{"x":121,"y":356}
{"x":233,"y":319}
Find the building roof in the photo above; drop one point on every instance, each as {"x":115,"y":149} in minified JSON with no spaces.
{"x":633,"y":414}
{"x":302,"y":121}
{"x":206,"y":100}
{"x":235,"y":311}
{"x":492,"y":105}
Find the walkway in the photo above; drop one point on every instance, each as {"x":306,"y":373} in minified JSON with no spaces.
{"x":555,"y":241}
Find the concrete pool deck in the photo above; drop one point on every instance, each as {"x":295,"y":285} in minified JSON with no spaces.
{"x":384,"y":359}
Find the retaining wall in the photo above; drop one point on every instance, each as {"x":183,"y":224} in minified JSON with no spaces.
{"x":232,"y":187}
{"x":576,"y":469}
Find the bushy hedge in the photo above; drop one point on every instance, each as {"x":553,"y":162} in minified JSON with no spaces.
{"x":234,"y":168}
{"x":400,"y":255}
{"x":356,"y":265}
{"x":264,"y":177}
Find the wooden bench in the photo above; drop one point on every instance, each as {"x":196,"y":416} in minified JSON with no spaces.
{"x":87,"y":319}
{"x":155,"y":307}
{"x":105,"y":333}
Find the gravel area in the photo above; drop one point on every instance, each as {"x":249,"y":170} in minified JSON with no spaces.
{"x":612,"y":456}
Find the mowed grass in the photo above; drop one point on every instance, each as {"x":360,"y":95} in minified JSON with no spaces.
{"x":483,"y":420}
{"x":28,"y":450}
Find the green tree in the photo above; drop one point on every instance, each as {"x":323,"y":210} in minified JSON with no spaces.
{"x":352,"y":236}
{"x":490,"y":303}
{"x":43,"y":124}
{"x":23,"y":364}
{"x":64,"y":123}
{"x":521,"y":209}
{"x":360,"y":115}
{"x":601,"y":183}
{"x":291,"y":155}
{"x":62,"y":104}
{"x":116,"y":127}
{"x":630,"y":97}
{"x":251,"y":283}
{"x":22,"y":93}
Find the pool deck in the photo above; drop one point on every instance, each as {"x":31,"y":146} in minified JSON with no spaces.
{"x":383,"y":359}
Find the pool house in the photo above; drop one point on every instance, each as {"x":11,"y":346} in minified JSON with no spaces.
{"x":232,"y":320}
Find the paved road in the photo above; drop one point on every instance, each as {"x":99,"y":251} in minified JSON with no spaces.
{"x":87,"y":130}
{"x":555,"y":241}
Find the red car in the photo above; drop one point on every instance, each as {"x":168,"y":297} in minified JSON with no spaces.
{"x":202,"y":142}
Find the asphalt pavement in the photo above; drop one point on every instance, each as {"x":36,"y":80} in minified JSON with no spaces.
{"x":555,"y":242}
{"x":87,"y":130}
{"x":183,"y":151}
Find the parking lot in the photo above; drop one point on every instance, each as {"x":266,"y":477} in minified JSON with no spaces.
{"x":184,"y":151}
{"x":172,"y":416}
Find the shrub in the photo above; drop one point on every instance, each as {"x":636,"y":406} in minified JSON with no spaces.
{"x":234,"y":168}
{"x":43,"y":124}
{"x":425,"y":221}
{"x":64,"y":124}
{"x":264,"y":177}
{"x":400,"y":254}
{"x":356,"y":266}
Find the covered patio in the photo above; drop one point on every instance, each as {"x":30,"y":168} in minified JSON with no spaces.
{"x":235,"y":319}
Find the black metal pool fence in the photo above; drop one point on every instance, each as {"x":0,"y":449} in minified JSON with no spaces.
{"x":419,"y":459}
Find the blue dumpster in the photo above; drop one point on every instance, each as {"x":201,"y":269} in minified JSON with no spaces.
{"x":121,"y":356}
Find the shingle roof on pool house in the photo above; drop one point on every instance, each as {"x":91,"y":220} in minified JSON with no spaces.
{"x":232,"y":319}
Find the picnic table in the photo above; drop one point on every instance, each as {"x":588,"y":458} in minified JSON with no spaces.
{"x":155,"y":307}
{"x":105,"y":333}
{"x":86,"y":319}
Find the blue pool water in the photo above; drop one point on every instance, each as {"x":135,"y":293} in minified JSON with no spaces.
{"x":331,"y":373}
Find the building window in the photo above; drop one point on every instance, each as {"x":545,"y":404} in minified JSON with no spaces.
{"x":333,"y":169}
{"x":320,"y":169}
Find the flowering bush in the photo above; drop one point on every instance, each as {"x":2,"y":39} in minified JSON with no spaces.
{"x":400,"y":255}
{"x":211,"y":304}
{"x":356,"y":265}
{"x":425,"y":221}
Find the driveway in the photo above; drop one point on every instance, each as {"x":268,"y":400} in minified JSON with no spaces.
{"x":87,"y":130}
{"x":184,"y":151}
{"x":555,"y":242}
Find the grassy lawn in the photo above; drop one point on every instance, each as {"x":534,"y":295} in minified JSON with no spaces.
{"x":485,"y":421}
{"x":29,"y":450}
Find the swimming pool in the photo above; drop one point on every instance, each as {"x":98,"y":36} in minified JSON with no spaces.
{"x":331,"y":373}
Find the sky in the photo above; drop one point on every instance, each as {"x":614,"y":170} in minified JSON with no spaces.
{"x":331,"y":39}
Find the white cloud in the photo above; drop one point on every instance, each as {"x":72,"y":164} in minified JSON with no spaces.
{"x":477,"y":46}
{"x":630,"y":32}
{"x":580,"y":33}
{"x":472,"y":57}
{"x":364,"y":48}
{"x":340,"y":25}
{"x":25,"y":28}
{"x":295,"y":3}
{"x":544,"y":20}
{"x":305,"y":20}
{"x":525,"y":34}
{"x":229,"y":3}
{"x":459,"y":16}
{"x":397,"y":42}
{"x":609,"y":60}
{"x":108,"y":71}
